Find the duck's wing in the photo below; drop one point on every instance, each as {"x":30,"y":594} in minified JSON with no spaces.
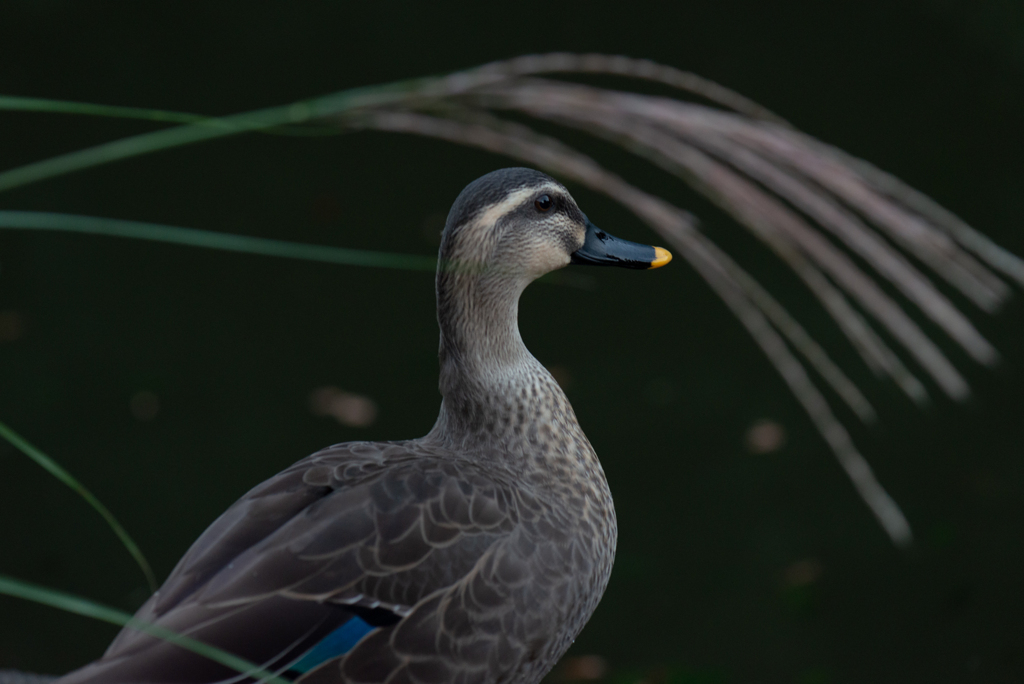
{"x":375,"y":531}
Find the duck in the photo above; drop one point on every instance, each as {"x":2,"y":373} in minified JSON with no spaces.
{"x":472,"y":555}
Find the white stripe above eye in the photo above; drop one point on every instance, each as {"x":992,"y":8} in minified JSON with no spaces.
{"x":511,"y":202}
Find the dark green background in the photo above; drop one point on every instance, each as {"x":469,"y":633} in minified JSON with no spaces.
{"x":664,"y":381}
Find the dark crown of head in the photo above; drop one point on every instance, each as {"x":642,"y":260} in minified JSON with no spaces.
{"x":490,"y":189}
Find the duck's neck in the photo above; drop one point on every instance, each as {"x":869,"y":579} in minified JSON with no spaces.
{"x":489,"y":380}
{"x":479,"y":319}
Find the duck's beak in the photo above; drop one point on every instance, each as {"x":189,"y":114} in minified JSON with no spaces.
{"x":601,"y":249}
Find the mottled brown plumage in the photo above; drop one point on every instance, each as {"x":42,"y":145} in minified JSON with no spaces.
{"x":474,"y":554}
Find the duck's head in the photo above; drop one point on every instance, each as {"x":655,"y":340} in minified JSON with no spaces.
{"x":522,"y":223}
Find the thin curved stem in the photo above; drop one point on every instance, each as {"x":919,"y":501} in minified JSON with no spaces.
{"x":209,"y":128}
{"x":81,"y":606}
{"x":14,"y":103}
{"x":68,"y":479}
{"x":93,"y":225}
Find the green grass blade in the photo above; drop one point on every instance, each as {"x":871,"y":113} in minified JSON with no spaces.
{"x":92,"y":225}
{"x":67,"y":478}
{"x":80,"y":606}
{"x":108,"y":152}
{"x":209,"y":129}
{"x":39,"y":104}
{"x":14,"y":103}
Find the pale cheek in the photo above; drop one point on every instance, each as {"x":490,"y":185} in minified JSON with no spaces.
{"x":550,"y":260}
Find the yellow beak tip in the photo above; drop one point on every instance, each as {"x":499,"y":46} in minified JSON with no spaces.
{"x":661,"y":257}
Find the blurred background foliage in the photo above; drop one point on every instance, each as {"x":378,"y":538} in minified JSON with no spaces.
{"x":170,"y":379}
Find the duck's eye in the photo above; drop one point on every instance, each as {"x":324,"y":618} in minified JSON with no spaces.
{"x":543,"y":203}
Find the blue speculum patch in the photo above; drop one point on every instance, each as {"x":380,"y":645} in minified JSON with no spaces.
{"x":339,"y":642}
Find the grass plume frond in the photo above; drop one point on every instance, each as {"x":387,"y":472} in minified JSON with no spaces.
{"x":843,"y":226}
